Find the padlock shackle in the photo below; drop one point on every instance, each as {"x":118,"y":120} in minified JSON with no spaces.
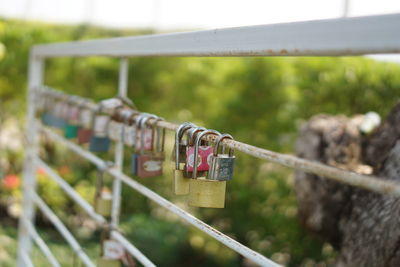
{"x":142,"y":125}
{"x":218,"y":142}
{"x":192,"y":133}
{"x":159,"y":146}
{"x":178,"y":137}
{"x":196,"y":149}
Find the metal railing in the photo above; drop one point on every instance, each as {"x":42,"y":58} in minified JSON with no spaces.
{"x":337,"y":37}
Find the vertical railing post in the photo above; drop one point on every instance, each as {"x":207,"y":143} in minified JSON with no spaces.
{"x":119,"y":146}
{"x":35,"y":79}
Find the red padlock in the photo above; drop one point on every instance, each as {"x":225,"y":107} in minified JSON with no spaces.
{"x":86,"y":120}
{"x":203,"y":159}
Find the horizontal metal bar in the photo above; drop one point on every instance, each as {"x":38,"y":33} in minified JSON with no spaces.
{"x":368,"y":182}
{"x":71,"y":192}
{"x":62,"y":229}
{"x":41,"y":244}
{"x":132,"y":249}
{"x":332,"y":37}
{"x":226,"y":240}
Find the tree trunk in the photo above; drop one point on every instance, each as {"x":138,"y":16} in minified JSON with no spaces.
{"x":363,"y":226}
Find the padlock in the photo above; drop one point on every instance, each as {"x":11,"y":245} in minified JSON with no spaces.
{"x":72,"y":123}
{"x":45,"y":114}
{"x":144,"y":134}
{"x":85,"y":132}
{"x":191,"y":134}
{"x":99,"y":142}
{"x":128,"y":131}
{"x":105,"y":262}
{"x":202,"y":192}
{"x":134,"y":157}
{"x":149,"y":164}
{"x":115,"y":130}
{"x":59,"y":114}
{"x":207,"y":193}
{"x":103,"y":196}
{"x":111,"y":254}
{"x":103,"y":203}
{"x":134,"y":166}
{"x":180,"y":183}
{"x":221,"y":166}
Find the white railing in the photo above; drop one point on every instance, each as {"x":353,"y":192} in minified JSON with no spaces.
{"x":337,"y":37}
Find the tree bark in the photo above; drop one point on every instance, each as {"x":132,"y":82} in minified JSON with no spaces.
{"x":363,"y":226}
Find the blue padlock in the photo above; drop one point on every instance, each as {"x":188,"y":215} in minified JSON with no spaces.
{"x":59,"y":122}
{"x":134,"y":165}
{"x":99,"y":144}
{"x":46,"y":118}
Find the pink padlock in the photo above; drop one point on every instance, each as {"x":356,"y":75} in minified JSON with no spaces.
{"x":203,"y":159}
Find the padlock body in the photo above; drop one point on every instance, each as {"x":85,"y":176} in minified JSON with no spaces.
{"x":99,"y":144}
{"x":149,"y":165}
{"x":71,"y":131}
{"x":103,"y":206}
{"x":47,"y":118}
{"x":115,"y":130}
{"x":180,"y":184}
{"x":134,"y":165}
{"x":104,"y":262}
{"x":58,"y":122}
{"x":129,"y":135}
{"x":206,"y":193}
{"x":84,"y":135}
{"x":203,"y":159}
{"x":221,"y":167}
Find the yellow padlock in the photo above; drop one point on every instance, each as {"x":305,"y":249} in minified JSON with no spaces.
{"x":203,"y":192}
{"x":104,"y":262}
{"x":207,"y":193}
{"x":103,"y":204}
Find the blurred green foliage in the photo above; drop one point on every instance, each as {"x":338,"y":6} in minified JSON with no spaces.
{"x":261,"y":101}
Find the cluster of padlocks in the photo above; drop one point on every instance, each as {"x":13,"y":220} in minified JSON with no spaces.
{"x":201,"y":170}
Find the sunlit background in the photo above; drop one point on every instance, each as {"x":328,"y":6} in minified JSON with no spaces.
{"x":261,"y":101}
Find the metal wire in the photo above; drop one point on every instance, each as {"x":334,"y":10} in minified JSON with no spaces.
{"x":368,"y":182}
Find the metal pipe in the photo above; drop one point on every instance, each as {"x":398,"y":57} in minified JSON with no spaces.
{"x":368,"y":182}
{"x":62,"y":229}
{"x":132,"y":249}
{"x":119,"y":147}
{"x":330,"y":37}
{"x":226,"y":240}
{"x":41,"y":244}
{"x":26,"y":260}
{"x":35,"y":78}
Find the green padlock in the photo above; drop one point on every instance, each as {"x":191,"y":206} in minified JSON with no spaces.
{"x":71,"y":131}
{"x":72,"y":124}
